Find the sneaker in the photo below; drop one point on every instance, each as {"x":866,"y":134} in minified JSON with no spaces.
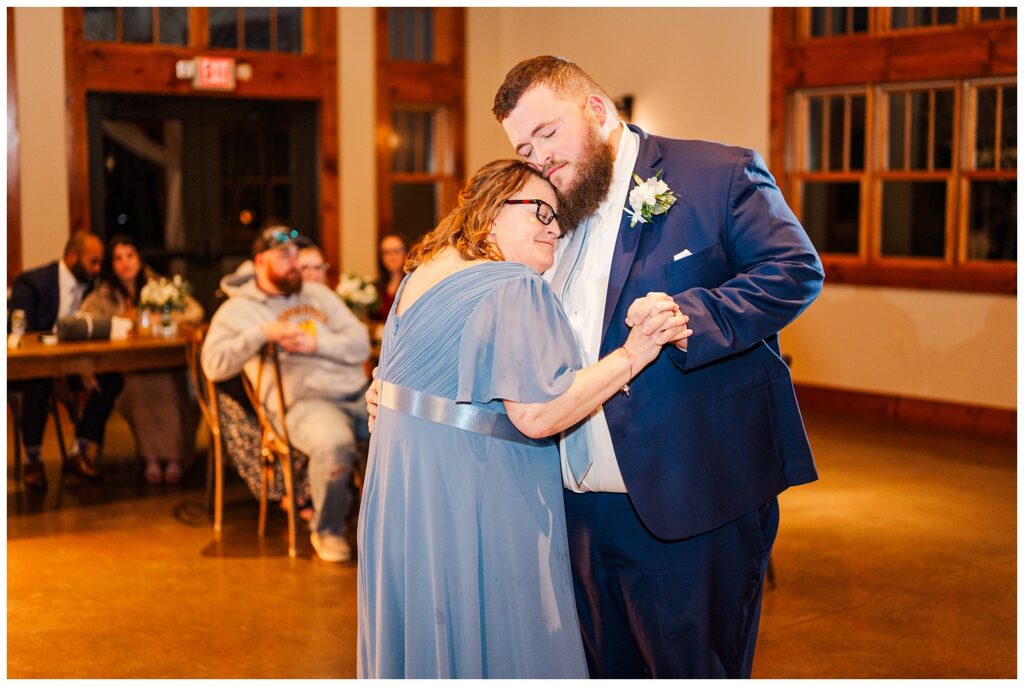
{"x":172,"y":473}
{"x":330,"y":548}
{"x":154,"y":474}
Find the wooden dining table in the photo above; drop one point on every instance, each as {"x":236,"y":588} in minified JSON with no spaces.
{"x":33,"y":359}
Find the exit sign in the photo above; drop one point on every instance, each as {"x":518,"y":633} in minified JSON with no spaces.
{"x":214,"y":74}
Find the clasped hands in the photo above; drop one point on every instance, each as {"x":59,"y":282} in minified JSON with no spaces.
{"x":657,"y":317}
{"x":290,"y":337}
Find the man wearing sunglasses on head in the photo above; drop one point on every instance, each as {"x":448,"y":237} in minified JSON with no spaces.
{"x":323,"y":347}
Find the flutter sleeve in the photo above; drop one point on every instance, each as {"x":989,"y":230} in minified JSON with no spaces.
{"x":517,"y":345}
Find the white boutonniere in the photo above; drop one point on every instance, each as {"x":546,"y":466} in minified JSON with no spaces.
{"x":648,"y":199}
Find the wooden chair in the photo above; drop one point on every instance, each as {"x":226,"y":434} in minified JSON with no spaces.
{"x":276,"y":446}
{"x":206,"y":395}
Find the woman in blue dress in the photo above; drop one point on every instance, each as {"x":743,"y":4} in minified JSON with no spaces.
{"x":463,"y":557}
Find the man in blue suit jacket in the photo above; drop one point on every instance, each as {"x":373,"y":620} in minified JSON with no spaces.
{"x":673,"y":513}
{"x":46,"y":293}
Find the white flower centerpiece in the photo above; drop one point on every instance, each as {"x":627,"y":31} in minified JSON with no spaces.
{"x":359,"y":293}
{"x":648,"y":199}
{"x":165,"y":296}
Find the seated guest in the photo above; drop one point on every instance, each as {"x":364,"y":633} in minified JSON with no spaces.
{"x":323,"y":349}
{"x":311,"y":261}
{"x":157,"y":405}
{"x":46,"y":294}
{"x":391,"y":260}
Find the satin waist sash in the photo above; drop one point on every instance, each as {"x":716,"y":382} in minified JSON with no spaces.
{"x":458,"y":415}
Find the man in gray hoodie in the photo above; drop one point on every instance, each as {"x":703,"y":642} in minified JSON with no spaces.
{"x":322,"y":347}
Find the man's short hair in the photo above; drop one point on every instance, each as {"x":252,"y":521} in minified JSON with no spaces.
{"x":275,"y":237}
{"x":559,"y":74}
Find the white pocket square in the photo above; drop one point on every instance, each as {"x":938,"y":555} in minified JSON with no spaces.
{"x":681,"y":255}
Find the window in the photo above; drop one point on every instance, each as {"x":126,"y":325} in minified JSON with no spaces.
{"x":416,"y":150}
{"x":916,"y":17}
{"x":259,"y":29}
{"x":252,"y":28}
{"x":831,"y":169}
{"x":420,"y":115}
{"x":141,"y":25}
{"x":916,"y":176}
{"x":996,"y":13}
{"x":900,"y":144}
{"x":837,"y":21}
{"x":990,"y":172}
{"x":411,"y":34}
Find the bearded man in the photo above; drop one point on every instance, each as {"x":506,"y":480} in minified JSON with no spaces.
{"x":672,"y":519}
{"x":324,"y":348}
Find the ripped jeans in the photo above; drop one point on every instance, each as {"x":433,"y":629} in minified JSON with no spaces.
{"x":326,"y":431}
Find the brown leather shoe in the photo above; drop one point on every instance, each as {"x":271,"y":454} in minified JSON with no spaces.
{"x":33,"y":475}
{"x":82,"y":464}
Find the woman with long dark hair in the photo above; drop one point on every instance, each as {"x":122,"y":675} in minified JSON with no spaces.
{"x":391,"y":253}
{"x":157,"y":404}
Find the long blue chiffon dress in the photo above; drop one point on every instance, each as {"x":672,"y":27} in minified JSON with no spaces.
{"x":463,"y":557}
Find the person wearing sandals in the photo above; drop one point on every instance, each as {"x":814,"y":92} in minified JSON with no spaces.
{"x":162,"y":416}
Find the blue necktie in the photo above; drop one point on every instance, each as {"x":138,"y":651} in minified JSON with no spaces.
{"x":575,"y":445}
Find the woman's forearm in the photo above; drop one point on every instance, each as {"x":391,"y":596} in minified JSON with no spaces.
{"x":591,"y":387}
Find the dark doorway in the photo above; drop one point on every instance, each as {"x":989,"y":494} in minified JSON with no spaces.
{"x":193,"y":179}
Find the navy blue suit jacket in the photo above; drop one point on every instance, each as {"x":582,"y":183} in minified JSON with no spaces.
{"x":37,"y":291}
{"x":708,"y":435}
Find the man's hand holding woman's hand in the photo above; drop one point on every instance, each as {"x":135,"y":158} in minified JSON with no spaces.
{"x":655,"y":321}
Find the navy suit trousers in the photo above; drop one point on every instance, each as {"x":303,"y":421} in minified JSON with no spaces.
{"x":666,"y":609}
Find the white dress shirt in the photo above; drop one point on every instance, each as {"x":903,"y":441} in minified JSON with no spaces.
{"x":71,"y":291}
{"x":584,"y":301}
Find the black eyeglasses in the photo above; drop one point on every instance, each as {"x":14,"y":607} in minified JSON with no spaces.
{"x":545,"y":212}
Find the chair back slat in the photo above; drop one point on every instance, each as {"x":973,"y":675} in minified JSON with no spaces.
{"x":206,"y":391}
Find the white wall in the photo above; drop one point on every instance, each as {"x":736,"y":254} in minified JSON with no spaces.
{"x":704,"y":73}
{"x":696,"y":83}
{"x":356,"y":124}
{"x":708,"y":79}
{"x":39,"y":61}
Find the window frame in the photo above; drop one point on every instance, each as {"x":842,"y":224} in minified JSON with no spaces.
{"x":964,"y":54}
{"x":800,"y":175}
{"x":149,"y":68}
{"x":438,"y":86}
{"x":199,"y":33}
{"x":970,"y":171}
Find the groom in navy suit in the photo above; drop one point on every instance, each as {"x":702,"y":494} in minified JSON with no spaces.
{"x":672,"y":513}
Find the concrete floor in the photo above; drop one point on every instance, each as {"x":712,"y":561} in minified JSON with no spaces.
{"x":899,"y":562}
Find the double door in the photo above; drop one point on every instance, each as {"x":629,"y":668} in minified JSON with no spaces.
{"x":193,"y":180}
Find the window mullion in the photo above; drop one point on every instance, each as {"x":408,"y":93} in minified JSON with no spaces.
{"x":826,"y":124}
{"x":867,"y":189}
{"x":273,"y":29}
{"x":847,"y":125}
{"x":240,"y":28}
{"x":907,"y":131}
{"x":930,"y":164}
{"x":999,"y":129}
